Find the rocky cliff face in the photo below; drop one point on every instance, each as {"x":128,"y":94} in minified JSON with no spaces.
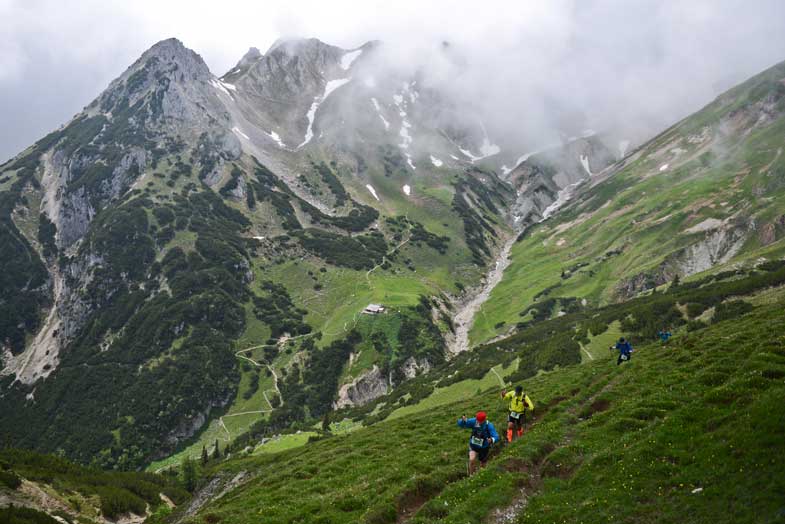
{"x":365,"y":388}
{"x":546,"y":180}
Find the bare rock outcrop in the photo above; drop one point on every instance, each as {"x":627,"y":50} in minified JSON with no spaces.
{"x":365,"y":388}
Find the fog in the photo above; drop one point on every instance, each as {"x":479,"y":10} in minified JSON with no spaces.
{"x":532,"y":69}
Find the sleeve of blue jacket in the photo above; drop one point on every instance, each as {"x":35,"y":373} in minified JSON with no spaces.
{"x":493,"y":432}
{"x":468,"y":424}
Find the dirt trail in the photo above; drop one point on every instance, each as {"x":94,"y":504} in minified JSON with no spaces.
{"x":501,"y":380}
{"x":275,"y":385}
{"x":239,"y":354}
{"x":541,"y":467}
{"x":389,"y":253}
{"x":464,"y":318}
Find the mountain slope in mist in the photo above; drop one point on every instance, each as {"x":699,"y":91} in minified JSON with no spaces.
{"x":705,"y":195}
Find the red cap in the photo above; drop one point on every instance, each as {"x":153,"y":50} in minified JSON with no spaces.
{"x":480,"y":417}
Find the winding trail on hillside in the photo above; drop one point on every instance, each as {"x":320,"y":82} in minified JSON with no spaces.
{"x":591,"y":357}
{"x":501,"y":380}
{"x":239,"y":354}
{"x":384,"y":259}
{"x":275,"y":385}
{"x":464,"y":318}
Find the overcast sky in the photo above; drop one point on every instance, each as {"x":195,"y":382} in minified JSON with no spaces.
{"x":625,"y":61}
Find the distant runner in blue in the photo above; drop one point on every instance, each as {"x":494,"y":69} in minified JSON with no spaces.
{"x":625,"y":350}
{"x":483,"y":437}
{"x":664,"y":335}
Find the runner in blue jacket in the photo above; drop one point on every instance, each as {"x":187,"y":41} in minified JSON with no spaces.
{"x":483,"y":437}
{"x":625,"y":350}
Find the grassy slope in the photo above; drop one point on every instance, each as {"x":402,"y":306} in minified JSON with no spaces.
{"x":645,"y":212}
{"x":627,"y":443}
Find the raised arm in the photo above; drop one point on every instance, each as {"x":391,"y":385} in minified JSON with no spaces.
{"x":463,"y":422}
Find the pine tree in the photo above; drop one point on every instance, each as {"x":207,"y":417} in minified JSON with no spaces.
{"x":204,"y":455}
{"x":216,"y":451}
{"x":188,"y":474}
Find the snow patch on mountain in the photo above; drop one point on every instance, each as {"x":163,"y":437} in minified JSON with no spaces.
{"x":486,"y":149}
{"x":239,"y":133}
{"x":407,"y":190}
{"x":406,"y":138}
{"x":409,"y":160}
{"x":221,"y":87}
{"x":348,"y":58}
{"x":373,"y":191}
{"x":469,"y":154}
{"x":585,"y":164}
{"x":521,"y":159}
{"x":379,"y":112}
{"x":436,"y":162}
{"x":409,"y":90}
{"x":277,"y":138}
{"x":663,"y":167}
{"x":331,"y":86}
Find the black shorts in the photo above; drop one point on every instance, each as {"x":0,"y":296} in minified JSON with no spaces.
{"x":519,"y":421}
{"x":482,"y":453}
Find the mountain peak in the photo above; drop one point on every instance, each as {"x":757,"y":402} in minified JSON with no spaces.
{"x":173,"y":51}
{"x":167,"y":46}
{"x":300,"y":46}
{"x":252,"y":54}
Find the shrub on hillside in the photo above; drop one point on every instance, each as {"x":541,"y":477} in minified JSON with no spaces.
{"x":118,"y":501}
{"x":695,"y":309}
{"x":10,"y":479}
{"x":694,"y":325}
{"x":14,"y":515}
{"x":731,"y":310}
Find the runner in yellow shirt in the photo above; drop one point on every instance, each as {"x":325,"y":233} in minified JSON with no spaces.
{"x":519,"y":404}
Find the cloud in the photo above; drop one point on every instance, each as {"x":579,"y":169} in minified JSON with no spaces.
{"x":532,"y":66}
